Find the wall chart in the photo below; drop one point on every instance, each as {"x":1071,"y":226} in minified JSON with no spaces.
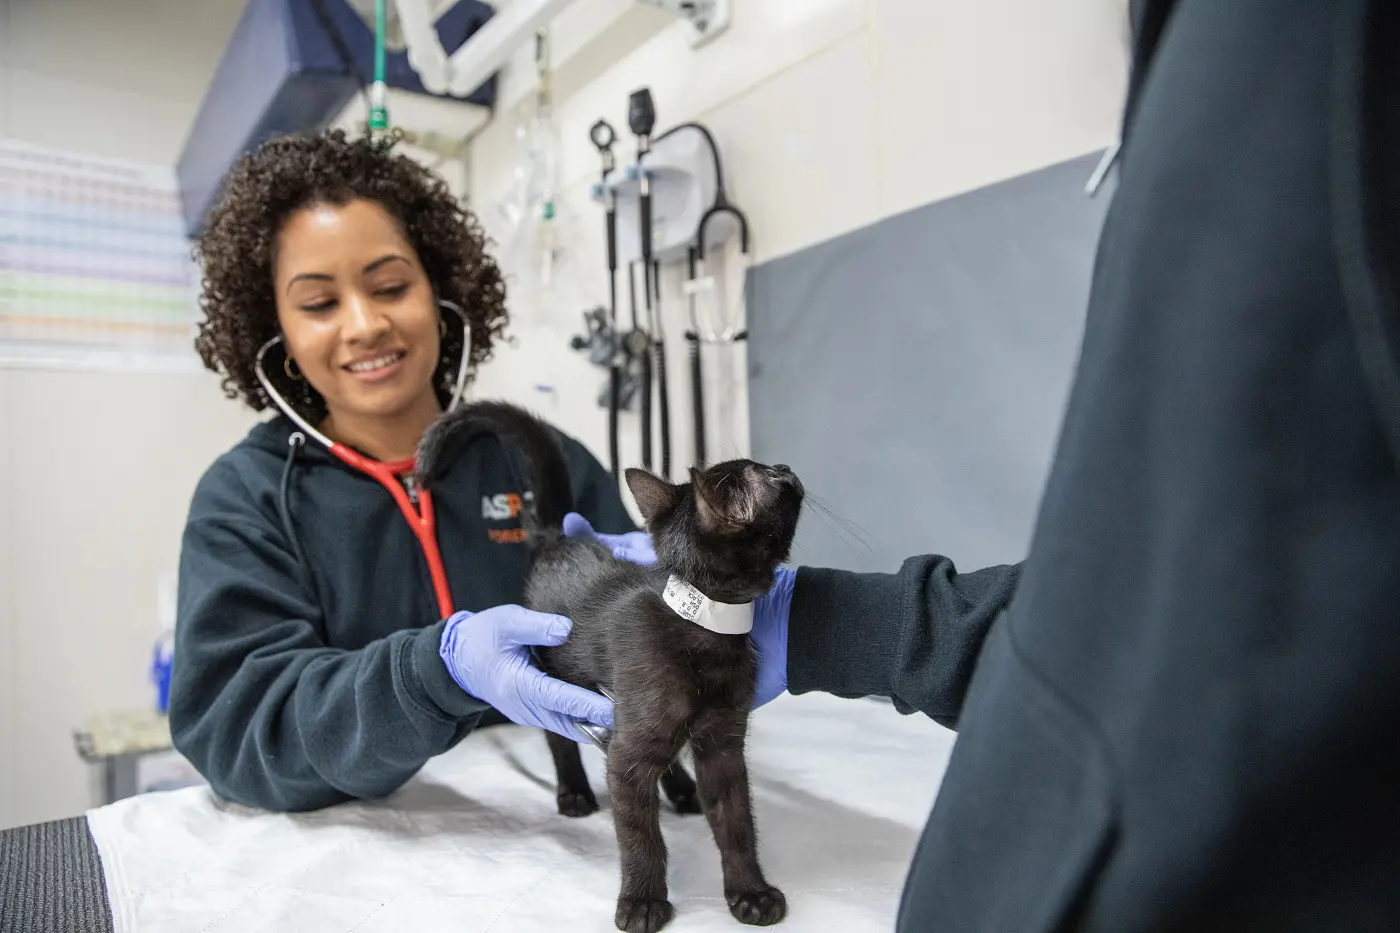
{"x":95,"y":269}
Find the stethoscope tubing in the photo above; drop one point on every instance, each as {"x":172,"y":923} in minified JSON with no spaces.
{"x":421,"y":520}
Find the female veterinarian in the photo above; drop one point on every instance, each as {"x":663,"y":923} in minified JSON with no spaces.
{"x":319,"y":654}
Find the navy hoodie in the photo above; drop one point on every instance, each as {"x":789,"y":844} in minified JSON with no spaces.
{"x":306,"y":668}
{"x":1185,"y":717}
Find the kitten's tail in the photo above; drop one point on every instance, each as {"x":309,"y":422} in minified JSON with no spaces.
{"x":547,"y":471}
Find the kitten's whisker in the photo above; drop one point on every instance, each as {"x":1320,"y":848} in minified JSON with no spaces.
{"x":839,"y":533}
{"x":845,"y":529}
{"x":823,"y":506}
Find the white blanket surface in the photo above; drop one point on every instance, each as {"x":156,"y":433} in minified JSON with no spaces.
{"x":473,"y":843}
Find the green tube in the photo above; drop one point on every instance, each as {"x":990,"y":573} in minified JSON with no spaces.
{"x":378,"y":112}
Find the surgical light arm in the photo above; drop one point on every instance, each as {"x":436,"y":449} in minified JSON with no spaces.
{"x":481,"y":56}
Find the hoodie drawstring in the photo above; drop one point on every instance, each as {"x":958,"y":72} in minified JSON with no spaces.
{"x":284,"y":507}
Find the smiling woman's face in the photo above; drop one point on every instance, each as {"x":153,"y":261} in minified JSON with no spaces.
{"x":357,"y":312}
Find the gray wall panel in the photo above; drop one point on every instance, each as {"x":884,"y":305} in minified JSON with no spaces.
{"x":914,"y":372}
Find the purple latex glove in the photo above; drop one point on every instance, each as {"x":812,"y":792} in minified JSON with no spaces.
{"x":635,"y":546}
{"x":770,"y":636}
{"x":488,"y":655}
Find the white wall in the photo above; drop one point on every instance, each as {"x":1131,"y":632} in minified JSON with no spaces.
{"x":831,"y":114}
{"x":96,"y":469}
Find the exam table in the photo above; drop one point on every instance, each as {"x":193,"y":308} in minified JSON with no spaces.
{"x":473,"y":844}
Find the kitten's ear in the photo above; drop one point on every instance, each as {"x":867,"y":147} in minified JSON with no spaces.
{"x":654,"y":495}
{"x":712,"y":516}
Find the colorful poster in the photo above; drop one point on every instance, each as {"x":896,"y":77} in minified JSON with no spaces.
{"x":95,"y":269}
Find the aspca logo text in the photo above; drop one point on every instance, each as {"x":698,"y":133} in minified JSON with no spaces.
{"x":501,"y":506}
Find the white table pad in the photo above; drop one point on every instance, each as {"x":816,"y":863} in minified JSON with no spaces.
{"x":473,"y":842}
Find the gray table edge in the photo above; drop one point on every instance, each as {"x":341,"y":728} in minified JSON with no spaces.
{"x":51,"y":880}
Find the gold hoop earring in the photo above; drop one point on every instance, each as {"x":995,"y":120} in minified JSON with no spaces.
{"x":442,"y":328}
{"x":287,"y":364}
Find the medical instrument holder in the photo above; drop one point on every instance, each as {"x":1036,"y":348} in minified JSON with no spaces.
{"x":641,"y":119}
{"x":603,"y":137}
{"x":637,"y":341}
{"x":606,"y":348}
{"x":683,"y":184}
{"x":699,"y":335}
{"x":598,"y":338}
{"x":691,"y":217}
{"x":662,"y":383}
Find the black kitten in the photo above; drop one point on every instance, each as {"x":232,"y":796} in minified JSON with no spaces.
{"x":718,"y":539}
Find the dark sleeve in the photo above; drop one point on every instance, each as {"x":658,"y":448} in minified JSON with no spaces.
{"x":266,"y":711}
{"x":596,"y":496}
{"x":912,"y":636}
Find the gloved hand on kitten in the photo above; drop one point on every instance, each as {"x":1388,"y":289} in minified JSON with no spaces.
{"x":770,"y":636}
{"x":770,"y":612}
{"x":634,"y":545}
{"x":488,"y":655}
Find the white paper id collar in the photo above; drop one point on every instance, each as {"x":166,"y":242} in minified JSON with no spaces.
{"x":694,"y":606}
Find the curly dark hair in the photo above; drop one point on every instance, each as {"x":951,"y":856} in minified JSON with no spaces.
{"x":291,"y":172}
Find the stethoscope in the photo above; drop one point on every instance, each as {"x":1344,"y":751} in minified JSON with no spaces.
{"x":706,"y":333}
{"x":420,"y":519}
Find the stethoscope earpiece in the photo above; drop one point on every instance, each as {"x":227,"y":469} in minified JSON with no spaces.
{"x":459,"y":387}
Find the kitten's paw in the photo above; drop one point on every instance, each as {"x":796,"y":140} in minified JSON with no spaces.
{"x":680,"y":790}
{"x":686,"y":803}
{"x":638,"y":915}
{"x":577,"y":804}
{"x":759,"y":908}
